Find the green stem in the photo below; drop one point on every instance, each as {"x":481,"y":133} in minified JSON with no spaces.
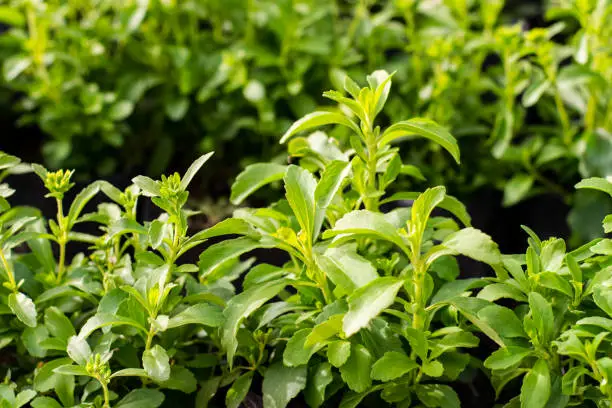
{"x":564,"y":119}
{"x":9,"y":271}
{"x":371,"y":203}
{"x":105,"y":392}
{"x":61,"y":240}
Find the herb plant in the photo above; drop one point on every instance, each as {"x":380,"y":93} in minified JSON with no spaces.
{"x":362,"y":306}
{"x":562,"y":345}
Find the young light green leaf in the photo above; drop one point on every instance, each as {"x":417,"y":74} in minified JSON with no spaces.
{"x":338,"y":352}
{"x":421,"y":127}
{"x":71,"y":370}
{"x":364,"y":222}
{"x":346,"y":269}
{"x":253,"y":177}
{"x":449,"y":203}
{"x":536,"y":386}
{"x":23,"y":307}
{"x":202,"y":313}
{"x":300,"y":186}
{"x":148,"y":186}
{"x":281,"y":384}
{"x":516,"y":189}
{"x":368,"y":302}
{"x":45,"y":402}
{"x":542,"y":315}
{"x":475,"y":244}
{"x":297,"y":352}
{"x":101,"y":320}
{"x":356,"y":371}
{"x":156,"y":363}
{"x":596,"y":183}
{"x":78,"y":349}
{"x":193,"y":169}
{"x":392,"y":365}
{"x":240,"y":307}
{"x":317,"y":119}
{"x":80,"y":201}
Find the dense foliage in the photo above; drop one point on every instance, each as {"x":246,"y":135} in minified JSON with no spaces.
{"x":367,"y":309}
{"x":527,"y":99}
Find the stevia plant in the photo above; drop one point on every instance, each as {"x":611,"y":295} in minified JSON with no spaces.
{"x":366,"y":302}
{"x":561,"y":348}
{"x":124,"y":321}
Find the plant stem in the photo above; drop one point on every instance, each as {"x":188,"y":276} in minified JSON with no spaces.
{"x":418,"y":281}
{"x":61,"y":240}
{"x":105,"y":392}
{"x":564,"y":118}
{"x":371,"y":203}
{"x":9,"y":271}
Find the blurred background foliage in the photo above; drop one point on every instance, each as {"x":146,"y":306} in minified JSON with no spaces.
{"x":118,"y":87}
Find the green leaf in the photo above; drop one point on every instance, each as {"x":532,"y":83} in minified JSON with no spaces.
{"x":368,"y":302}
{"x":433,"y":368}
{"x":475,"y":244}
{"x":216,"y":255}
{"x":318,"y":380}
{"x":516,"y":189}
{"x":193,"y":170}
{"x":121,"y":110}
{"x":542,"y":315}
{"x":72,"y":370}
{"x":338,"y":352}
{"x":141,"y":398}
{"x":101,"y":320}
{"x":347,"y":269}
{"x":318,"y":119}
{"x":603,"y":247}
{"x":58,"y":324}
{"x":534,"y":91}
{"x":254,"y":177}
{"x":281,"y":384}
{"x":181,"y":379}
{"x":536,"y":386}
{"x":130,"y":372}
{"x":45,"y":379}
{"x":149,"y":186}
{"x":596,"y":183}
{"x":456,"y":288}
{"x":421,"y":210}
{"x":331,"y":181}
{"x":156,"y":363}
{"x":554,"y":281}
{"x":23,"y":307}
{"x":356,"y":371}
{"x":240,"y":307}
{"x":15,"y":65}
{"x":602,"y":295}
{"x":364,"y":222}
{"x":10,"y":15}
{"x":437,"y":395}
{"x":80,"y":201}
{"x":503,"y":320}
{"x":297,"y":352}
{"x":421,"y":127}
{"x":498,"y":291}
{"x":449,"y":203}
{"x":506,"y":357}
{"x":392,"y":365}
{"x":45,"y":402}
{"x":24,"y":397}
{"x":201,"y":313}
{"x":239,"y":390}
{"x":300,"y":186}
{"x":156,"y":233}
{"x":78,"y":349}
